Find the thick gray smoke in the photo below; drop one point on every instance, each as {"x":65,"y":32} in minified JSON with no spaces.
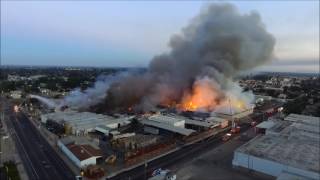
{"x":50,"y":103}
{"x":93,"y":95}
{"x":217,"y":44}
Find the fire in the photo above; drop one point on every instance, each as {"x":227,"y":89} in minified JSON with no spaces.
{"x":16,"y":108}
{"x":207,"y":96}
{"x":204,"y":96}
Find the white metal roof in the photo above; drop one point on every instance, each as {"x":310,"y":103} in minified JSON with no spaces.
{"x":290,"y":176}
{"x":102,"y":129}
{"x":311,"y":120}
{"x":86,"y":120}
{"x":208,"y":124}
{"x":216,"y":119}
{"x":266,"y":125}
{"x":175,"y":129}
{"x":295,"y":145}
{"x":165,"y":119}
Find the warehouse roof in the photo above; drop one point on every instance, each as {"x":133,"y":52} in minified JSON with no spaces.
{"x":288,"y":151}
{"x":175,"y":129}
{"x":310,"y":120}
{"x":295,"y":145}
{"x":83,"y":152}
{"x":208,"y":124}
{"x":290,"y":176}
{"x":165,"y":119}
{"x":266,"y":125}
{"x":85,"y":120}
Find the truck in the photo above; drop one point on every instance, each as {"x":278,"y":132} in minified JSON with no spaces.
{"x":160,"y":174}
{"x":235,"y":130}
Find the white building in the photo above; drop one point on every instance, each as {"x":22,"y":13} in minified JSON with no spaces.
{"x":287,"y":148}
{"x":81,"y":155}
{"x":221,"y":121}
{"x":81,"y":123}
{"x":167,"y":123}
{"x":173,"y":121}
{"x":225,"y":113}
{"x":16,"y":94}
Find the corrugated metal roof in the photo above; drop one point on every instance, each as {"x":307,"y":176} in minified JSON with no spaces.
{"x":266,"y":125}
{"x":202,"y":123}
{"x":175,"y":129}
{"x":165,"y":119}
{"x":311,"y":120}
{"x":83,"y":152}
{"x":86,"y":120}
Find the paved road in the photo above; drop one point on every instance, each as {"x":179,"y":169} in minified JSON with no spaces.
{"x":180,"y":156}
{"x":40,"y":160}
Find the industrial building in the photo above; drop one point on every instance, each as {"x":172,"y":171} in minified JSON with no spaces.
{"x":138,"y":141}
{"x":169,"y":120}
{"x":80,"y":123}
{"x":289,"y":148}
{"x":167,"y":123}
{"x":81,"y":155}
{"x":16,"y":94}
{"x":232,"y":114}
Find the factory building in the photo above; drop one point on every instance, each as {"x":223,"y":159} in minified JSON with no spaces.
{"x":80,"y":123}
{"x":137,"y":141}
{"x":226,"y":113}
{"x":290,"y":148}
{"x":16,"y":94}
{"x":222,"y":122}
{"x":172,"y":121}
{"x":166,"y":123}
{"x":81,"y":155}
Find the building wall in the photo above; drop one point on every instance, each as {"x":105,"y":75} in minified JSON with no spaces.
{"x":89,"y":161}
{"x":267,"y":166}
{"x":70,"y":155}
{"x":151,"y":130}
{"x":179,"y":124}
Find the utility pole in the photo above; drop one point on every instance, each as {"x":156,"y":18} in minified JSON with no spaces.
{"x":231,"y":113}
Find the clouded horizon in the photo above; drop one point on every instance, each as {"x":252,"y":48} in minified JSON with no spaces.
{"x":129,"y":34}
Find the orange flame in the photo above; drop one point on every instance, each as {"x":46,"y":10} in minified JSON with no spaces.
{"x":204,"y":96}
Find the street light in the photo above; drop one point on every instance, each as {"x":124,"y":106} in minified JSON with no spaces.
{"x":7,"y":170}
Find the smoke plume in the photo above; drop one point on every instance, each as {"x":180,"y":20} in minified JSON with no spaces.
{"x":213,"y":48}
{"x":50,"y":103}
{"x":78,"y":99}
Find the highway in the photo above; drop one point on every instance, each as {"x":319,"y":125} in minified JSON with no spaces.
{"x":39,"y":158}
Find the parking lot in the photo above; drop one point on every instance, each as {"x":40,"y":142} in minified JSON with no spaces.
{"x":217,"y":163}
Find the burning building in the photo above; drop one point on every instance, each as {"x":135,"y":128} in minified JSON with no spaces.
{"x":198,"y":72}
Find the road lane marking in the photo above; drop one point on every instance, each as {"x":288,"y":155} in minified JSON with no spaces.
{"x":26,"y":155}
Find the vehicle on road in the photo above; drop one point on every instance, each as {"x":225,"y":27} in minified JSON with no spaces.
{"x":226,"y":137}
{"x":235,"y":130}
{"x":254,"y":123}
{"x":79,"y":177}
{"x":160,"y":174}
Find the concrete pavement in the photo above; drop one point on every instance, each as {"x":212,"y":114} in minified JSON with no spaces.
{"x":40,"y":160}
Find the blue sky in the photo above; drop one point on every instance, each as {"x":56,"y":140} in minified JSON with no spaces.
{"x":107,"y":33}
